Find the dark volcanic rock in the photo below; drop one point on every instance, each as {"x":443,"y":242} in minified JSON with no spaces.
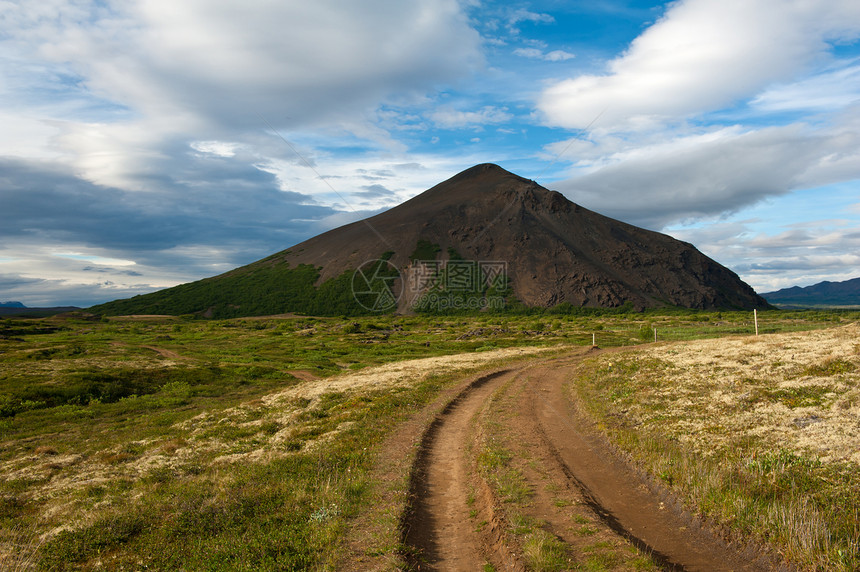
{"x":556,"y":251}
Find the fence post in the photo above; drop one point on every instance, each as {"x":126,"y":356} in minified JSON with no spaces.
{"x":755,"y":318}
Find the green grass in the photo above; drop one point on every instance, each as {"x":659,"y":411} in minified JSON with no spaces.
{"x":494,"y":462}
{"x":91,"y":401}
{"x":99,"y":397}
{"x":289,"y":513}
{"x":544,"y":552}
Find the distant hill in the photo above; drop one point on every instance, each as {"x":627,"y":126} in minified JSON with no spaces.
{"x":34,"y":312}
{"x":489,"y":231}
{"x":825,"y":293}
{"x":12,"y":305}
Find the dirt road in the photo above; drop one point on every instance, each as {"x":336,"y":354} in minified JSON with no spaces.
{"x":441,"y":527}
{"x":577,"y":492}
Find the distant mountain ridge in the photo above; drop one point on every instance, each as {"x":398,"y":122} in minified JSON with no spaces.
{"x":550,"y":250}
{"x":23,"y":310}
{"x":845,"y":293}
{"x":12,"y":305}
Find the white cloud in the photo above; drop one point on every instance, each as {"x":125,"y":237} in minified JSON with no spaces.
{"x":455,"y":119}
{"x":656,"y":154}
{"x":790,"y":255}
{"x":558,"y":56}
{"x":523,"y":15}
{"x":833,"y":89}
{"x":532,"y":53}
{"x":702,"y":55}
{"x":84,"y":279}
{"x":226,"y":61}
{"x":95,"y":259}
{"x":218,"y":148}
{"x":203,"y":70}
{"x":537,"y":54}
{"x":708,"y":174}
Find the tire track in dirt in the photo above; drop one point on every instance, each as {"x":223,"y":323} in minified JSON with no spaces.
{"x":650,"y":520}
{"x":440,"y":532}
{"x":440,"y":528}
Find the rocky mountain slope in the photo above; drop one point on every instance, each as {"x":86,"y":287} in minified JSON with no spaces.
{"x":550,"y":250}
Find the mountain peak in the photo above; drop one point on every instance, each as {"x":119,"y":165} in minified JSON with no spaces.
{"x":485,"y":172}
{"x":551,"y":251}
{"x":555,"y":250}
{"x":474,"y":183}
{"x":479,"y":169}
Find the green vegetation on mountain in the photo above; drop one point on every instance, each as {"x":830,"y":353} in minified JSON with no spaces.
{"x":267,"y":290}
{"x":425,"y":251}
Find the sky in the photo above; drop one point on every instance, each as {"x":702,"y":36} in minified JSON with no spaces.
{"x":147,"y":143}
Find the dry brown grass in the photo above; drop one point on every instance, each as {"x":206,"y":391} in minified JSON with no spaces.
{"x":760,"y":432}
{"x":259,"y":430}
{"x":798,"y":391}
{"x":19,"y":549}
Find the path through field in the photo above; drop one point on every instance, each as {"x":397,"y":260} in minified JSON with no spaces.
{"x":580,"y":492}
{"x":441,"y":527}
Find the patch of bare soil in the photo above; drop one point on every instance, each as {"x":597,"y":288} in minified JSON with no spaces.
{"x":303,"y":374}
{"x":558,"y":503}
{"x":579,"y":488}
{"x":165,"y":353}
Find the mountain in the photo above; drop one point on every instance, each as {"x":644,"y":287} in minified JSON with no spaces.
{"x":12,"y":305}
{"x":482,"y":232}
{"x":825,"y":293}
{"x":23,"y":310}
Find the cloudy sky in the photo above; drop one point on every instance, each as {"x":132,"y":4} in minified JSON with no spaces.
{"x":146,"y":143}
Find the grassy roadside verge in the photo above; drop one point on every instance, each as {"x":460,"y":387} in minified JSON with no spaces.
{"x":759,"y":434}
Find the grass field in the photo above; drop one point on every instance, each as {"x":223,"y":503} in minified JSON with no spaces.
{"x":761,"y":434}
{"x":251,"y":440}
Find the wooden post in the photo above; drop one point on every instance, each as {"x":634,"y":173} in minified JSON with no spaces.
{"x":655,"y":334}
{"x":593,"y":339}
{"x":755,"y":318}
